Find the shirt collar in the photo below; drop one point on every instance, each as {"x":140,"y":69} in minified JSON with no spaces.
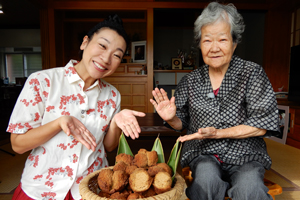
{"x":73,"y":77}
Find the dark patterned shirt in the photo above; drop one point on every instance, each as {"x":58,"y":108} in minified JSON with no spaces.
{"x":245,"y":97}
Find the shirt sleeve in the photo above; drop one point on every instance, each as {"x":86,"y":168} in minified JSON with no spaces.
{"x":29,"y":108}
{"x":261,"y":104}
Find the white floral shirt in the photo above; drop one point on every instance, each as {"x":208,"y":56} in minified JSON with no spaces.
{"x":57,"y":166}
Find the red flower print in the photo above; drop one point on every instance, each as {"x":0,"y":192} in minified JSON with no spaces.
{"x":114,"y":93}
{"x":49,"y":183}
{"x":75,"y":142}
{"x":70,"y":171}
{"x":28,"y":126}
{"x":63,"y":101}
{"x":34,"y":81}
{"x":37,"y":116}
{"x":25,"y":102}
{"x":103,"y":117}
{"x":34,"y":159}
{"x":45,"y":94}
{"x":60,"y":172}
{"x":37,"y":177}
{"x":75,"y":158}
{"x":48,"y":82}
{"x":72,"y":69}
{"x":11,"y":127}
{"x":101,"y":161}
{"x":79,"y":179}
{"x":90,"y":111}
{"x":104,"y":127}
{"x":62,"y":146}
{"x":80,"y":98}
{"x":49,"y":194}
{"x":65,"y":113}
{"x":49,"y":108}
{"x":100,"y":105}
{"x":44,"y":152}
{"x":113,"y":104}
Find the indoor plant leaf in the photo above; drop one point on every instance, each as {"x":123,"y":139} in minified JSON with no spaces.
{"x":174,"y":157}
{"x":157,"y":146}
{"x":123,"y":146}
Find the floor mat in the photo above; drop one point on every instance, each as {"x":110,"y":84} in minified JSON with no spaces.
{"x":285,"y":183}
{"x":11,"y":168}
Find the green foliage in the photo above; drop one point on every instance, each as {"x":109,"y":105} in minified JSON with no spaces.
{"x":157,"y":146}
{"x":174,"y":157}
{"x":123,"y":146}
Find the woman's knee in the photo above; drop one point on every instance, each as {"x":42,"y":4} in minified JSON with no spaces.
{"x":247,"y":182}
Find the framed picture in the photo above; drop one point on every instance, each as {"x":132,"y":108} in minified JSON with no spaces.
{"x":138,"y":51}
{"x":176,"y":63}
{"x":283,"y":118}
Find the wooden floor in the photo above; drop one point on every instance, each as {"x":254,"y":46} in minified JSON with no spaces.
{"x":285,"y":169}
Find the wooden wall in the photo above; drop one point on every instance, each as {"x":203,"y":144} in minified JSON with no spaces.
{"x":276,"y":40}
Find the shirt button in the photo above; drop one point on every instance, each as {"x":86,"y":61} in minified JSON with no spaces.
{"x":82,"y":116}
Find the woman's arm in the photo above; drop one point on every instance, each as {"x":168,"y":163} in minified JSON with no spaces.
{"x":236,"y":132}
{"x":35,"y":137}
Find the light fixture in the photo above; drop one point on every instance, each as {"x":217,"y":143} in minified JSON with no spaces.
{"x":1,"y":11}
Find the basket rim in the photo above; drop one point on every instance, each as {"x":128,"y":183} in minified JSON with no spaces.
{"x":87,"y":194}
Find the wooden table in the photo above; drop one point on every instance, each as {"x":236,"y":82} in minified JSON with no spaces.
{"x":152,"y":125}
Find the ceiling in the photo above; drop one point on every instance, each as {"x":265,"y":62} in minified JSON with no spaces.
{"x":19,"y":14}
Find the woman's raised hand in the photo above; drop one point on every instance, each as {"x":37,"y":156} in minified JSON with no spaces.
{"x":164,"y":107}
{"x":126,"y":120}
{"x":72,"y":126}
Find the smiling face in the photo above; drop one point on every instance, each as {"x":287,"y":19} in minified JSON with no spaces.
{"x":216,"y":45}
{"x":101,"y":55}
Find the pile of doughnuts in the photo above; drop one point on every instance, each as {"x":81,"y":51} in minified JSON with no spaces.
{"x":135,"y":177}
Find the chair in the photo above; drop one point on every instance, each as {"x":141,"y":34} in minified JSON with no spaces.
{"x":274,"y":189}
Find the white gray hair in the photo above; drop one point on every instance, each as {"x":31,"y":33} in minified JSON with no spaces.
{"x":214,"y":12}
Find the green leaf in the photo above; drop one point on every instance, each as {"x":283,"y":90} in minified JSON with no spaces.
{"x":123,"y":146}
{"x":174,"y":157}
{"x":157,"y":146}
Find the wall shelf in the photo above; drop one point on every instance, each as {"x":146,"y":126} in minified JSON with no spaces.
{"x":173,"y":71}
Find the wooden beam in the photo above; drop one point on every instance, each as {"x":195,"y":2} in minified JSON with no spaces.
{"x":112,"y":5}
{"x":150,"y":48}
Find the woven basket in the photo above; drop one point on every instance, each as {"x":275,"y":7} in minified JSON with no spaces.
{"x":89,"y":189}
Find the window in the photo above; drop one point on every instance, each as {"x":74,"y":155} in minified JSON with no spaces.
{"x":22,"y":65}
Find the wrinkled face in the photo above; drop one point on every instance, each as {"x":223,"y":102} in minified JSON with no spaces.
{"x":216,"y":44}
{"x":103,"y":53}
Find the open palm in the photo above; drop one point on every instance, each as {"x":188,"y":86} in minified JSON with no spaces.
{"x":164,"y":107}
{"x":72,"y":126}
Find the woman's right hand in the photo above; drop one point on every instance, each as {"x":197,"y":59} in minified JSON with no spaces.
{"x":72,"y":126}
{"x":164,"y":107}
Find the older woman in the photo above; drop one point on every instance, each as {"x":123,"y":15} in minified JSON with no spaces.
{"x":227,"y":106}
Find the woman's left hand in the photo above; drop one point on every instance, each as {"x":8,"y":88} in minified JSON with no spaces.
{"x":126,"y":120}
{"x":203,"y":133}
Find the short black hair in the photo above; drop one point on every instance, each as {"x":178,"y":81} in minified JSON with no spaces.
{"x":113,"y":22}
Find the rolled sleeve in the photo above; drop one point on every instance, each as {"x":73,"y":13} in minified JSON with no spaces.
{"x":261,"y":104}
